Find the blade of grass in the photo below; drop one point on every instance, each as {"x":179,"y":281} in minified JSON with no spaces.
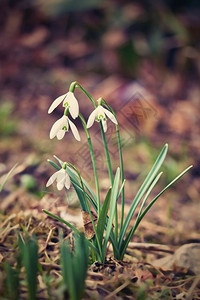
{"x":81,"y":256}
{"x":131,"y":232}
{"x":112,"y":210}
{"x":29,"y":256}
{"x":103,"y":216}
{"x":12,"y":282}
{"x":6,"y":178}
{"x":145,"y":186}
{"x":70,"y":226}
{"x":153,"y":201}
{"x":68,"y":270}
{"x":142,"y":214}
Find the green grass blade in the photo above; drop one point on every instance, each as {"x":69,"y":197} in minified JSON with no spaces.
{"x":6,"y":178}
{"x":145,"y":186}
{"x":171,"y":183}
{"x":70,"y":226}
{"x":80,"y":263}
{"x":12,"y":282}
{"x":112,"y":210}
{"x":148,"y":193}
{"x":103,"y":216}
{"x":29,"y":256}
{"x":121,"y":189}
{"x":141,"y":216}
{"x":68,"y":270}
{"x":131,"y":232}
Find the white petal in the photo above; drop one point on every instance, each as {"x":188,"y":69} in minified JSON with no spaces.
{"x":60,"y":134}
{"x":58,"y":125}
{"x":56,"y":102}
{"x":104,"y":123}
{"x":60,"y":184}
{"x":61,"y":175}
{"x":92,"y":117}
{"x":67,"y":181}
{"x":73,"y":105}
{"x":101,"y":113}
{"x":74,"y":130}
{"x":110,"y":115}
{"x":55,"y":128}
{"x":52,"y":179}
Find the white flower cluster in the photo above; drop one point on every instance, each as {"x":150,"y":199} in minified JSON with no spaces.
{"x":62,"y":125}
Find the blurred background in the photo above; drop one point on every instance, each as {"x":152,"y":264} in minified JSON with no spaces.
{"x":141,"y":56}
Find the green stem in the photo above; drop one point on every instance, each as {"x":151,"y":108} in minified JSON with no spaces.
{"x":122,"y":176}
{"x":107,"y":154}
{"x":88,"y":208}
{"x":93,"y":163}
{"x":110,"y":175}
{"x":121,"y":165}
{"x":87,"y":94}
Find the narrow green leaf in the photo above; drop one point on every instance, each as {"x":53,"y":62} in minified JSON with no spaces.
{"x":131,"y":232}
{"x":80,"y":263}
{"x":6,"y":178}
{"x":68,"y":270}
{"x":112,"y":210}
{"x":172,"y":182}
{"x":103,"y":216}
{"x":12,"y":282}
{"x":70,"y":226}
{"x":145,"y":186}
{"x":125,"y":244}
{"x":121,"y":189}
{"x":29,"y":255}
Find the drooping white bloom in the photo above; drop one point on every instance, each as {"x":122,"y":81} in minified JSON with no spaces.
{"x":99,"y":114}
{"x":69,"y":101}
{"x":62,"y":179}
{"x":61,"y":126}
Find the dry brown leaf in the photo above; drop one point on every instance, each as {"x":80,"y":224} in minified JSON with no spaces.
{"x":89,"y":230}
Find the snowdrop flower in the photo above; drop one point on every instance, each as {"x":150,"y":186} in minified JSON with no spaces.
{"x":69,"y":101}
{"x":99,"y":114}
{"x":62,"y":179}
{"x":61,"y":126}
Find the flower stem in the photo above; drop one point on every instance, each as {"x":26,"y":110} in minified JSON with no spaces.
{"x":93,"y":163}
{"x":87,"y":94}
{"x":121,"y":165}
{"x":88,"y":208}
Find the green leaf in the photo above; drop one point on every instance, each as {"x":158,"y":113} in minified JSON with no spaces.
{"x":29,"y":255}
{"x":142,"y":214}
{"x":12,"y":282}
{"x":6,"y":178}
{"x":70,"y":226}
{"x":153,"y":201}
{"x":74,"y":266}
{"x":112,"y":210}
{"x":67,"y":269}
{"x":145,"y":186}
{"x":131,"y":232}
{"x":103,"y":216}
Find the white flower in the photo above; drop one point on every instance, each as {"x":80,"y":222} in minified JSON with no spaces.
{"x":61,"y":126}
{"x":62,"y":179}
{"x":69,"y":101}
{"x":99,"y":114}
